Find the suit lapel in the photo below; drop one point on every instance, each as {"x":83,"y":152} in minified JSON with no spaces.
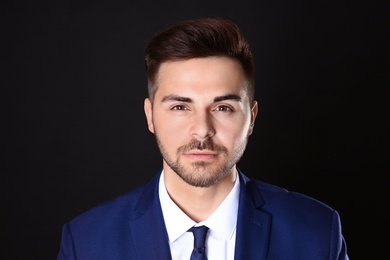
{"x":148,"y":230}
{"x":150,"y":237}
{"x":253,"y":224}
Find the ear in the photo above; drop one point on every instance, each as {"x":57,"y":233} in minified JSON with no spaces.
{"x":149,"y":114}
{"x":254,"y":111}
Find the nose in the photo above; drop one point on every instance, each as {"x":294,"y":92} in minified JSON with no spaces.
{"x":202,"y":126}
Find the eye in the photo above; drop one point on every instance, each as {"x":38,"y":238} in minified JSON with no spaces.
{"x":224,"y":108}
{"x":179,"y":107}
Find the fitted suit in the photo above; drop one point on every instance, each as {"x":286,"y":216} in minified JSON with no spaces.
{"x":272,"y":223}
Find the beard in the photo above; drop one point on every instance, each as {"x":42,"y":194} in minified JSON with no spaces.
{"x":202,"y":174}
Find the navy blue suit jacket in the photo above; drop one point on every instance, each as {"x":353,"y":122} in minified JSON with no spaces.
{"x":273,"y":223}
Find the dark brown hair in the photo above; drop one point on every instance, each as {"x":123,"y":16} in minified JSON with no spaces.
{"x":198,"y":38}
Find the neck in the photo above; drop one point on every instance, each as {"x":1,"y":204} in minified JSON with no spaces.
{"x":198,"y":203}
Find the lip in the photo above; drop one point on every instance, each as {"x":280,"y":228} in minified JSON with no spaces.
{"x":201,"y":156}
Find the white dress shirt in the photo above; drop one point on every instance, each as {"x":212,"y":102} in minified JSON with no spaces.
{"x":221,"y":238}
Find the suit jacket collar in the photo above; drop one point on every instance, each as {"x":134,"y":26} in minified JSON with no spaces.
{"x":148,"y":230}
{"x":253,"y":224}
{"x":150,"y":236}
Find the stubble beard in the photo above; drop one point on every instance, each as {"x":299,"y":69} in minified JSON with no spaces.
{"x":202,"y":174}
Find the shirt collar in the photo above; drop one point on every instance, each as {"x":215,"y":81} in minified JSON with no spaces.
{"x":222,"y":222}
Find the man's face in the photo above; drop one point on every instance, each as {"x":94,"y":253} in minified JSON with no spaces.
{"x":201,"y":117}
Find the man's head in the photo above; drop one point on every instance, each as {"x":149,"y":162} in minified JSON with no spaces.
{"x":201,"y":106}
{"x":198,"y":38}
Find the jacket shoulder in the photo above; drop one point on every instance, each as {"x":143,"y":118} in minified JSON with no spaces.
{"x":121,"y":208}
{"x":277,"y":198}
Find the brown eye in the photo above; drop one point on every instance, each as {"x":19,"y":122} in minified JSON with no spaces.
{"x":224,"y":109}
{"x":179,"y":107}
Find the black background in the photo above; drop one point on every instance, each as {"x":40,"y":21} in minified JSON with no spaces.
{"x":73,"y":132}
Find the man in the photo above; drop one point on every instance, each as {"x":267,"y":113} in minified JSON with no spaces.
{"x":201,"y":109}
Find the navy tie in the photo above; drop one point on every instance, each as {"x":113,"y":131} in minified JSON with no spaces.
{"x":199,"y":252}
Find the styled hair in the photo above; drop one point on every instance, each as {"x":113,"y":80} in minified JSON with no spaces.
{"x":198,"y":38}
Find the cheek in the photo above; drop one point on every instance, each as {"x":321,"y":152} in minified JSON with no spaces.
{"x":233,"y":135}
{"x":168,"y":127}
{"x":170,"y":134}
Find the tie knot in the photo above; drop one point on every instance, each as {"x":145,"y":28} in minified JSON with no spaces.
{"x":199,"y":237}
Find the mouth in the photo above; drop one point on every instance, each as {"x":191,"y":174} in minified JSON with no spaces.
{"x":200,"y":155}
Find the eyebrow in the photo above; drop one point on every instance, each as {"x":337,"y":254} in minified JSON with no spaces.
{"x":228,"y":97}
{"x":176,"y":98}
{"x":189,"y":100}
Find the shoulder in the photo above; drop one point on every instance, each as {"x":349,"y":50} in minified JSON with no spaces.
{"x":293,"y":212}
{"x":121,"y":208}
{"x":285,"y":203}
{"x":314,"y":226}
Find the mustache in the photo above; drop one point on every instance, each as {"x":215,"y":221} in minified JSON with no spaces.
{"x":207,"y":144}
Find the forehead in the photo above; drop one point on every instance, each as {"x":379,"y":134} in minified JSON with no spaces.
{"x":210,"y":76}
